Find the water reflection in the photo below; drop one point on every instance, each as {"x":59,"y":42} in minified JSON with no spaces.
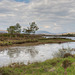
{"x":31,"y":53}
{"x":16,"y":51}
{"x":72,"y":38}
{"x":13,"y":52}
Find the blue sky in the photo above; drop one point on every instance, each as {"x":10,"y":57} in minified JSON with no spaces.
{"x":55,"y":16}
{"x":27,"y":1}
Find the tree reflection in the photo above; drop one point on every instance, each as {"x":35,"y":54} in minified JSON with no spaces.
{"x":15,"y":52}
{"x":32,"y":51}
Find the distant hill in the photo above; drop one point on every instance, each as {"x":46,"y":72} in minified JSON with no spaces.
{"x":43,"y":32}
{"x":69,"y":33}
{"x":38,"y":32}
{"x":3,"y":31}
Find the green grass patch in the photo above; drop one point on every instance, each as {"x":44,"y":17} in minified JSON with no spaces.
{"x":48,"y":67}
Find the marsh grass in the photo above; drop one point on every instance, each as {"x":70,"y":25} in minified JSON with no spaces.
{"x":48,"y":67}
{"x":8,"y":39}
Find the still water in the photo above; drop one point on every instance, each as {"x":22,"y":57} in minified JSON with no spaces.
{"x":72,"y":38}
{"x":31,"y":54}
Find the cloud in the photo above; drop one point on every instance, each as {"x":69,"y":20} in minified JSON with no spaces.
{"x":46,"y":26}
{"x":50,"y":15}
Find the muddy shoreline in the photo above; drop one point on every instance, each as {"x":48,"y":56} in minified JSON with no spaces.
{"x":32,"y":44}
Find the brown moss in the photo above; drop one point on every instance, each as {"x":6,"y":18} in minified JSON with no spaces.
{"x":66,"y":63}
{"x":67,"y":55}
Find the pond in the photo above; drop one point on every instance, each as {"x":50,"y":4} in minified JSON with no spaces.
{"x":72,"y":38}
{"x":30,"y":54}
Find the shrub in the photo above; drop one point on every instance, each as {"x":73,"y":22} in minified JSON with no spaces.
{"x":67,"y":55}
{"x":66,"y":63}
{"x":64,"y":52}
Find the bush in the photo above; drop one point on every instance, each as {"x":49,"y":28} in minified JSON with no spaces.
{"x":66,"y":63}
{"x":67,"y":55}
{"x":64,"y":52}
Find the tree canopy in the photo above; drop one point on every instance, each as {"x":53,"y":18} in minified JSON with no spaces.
{"x":14,"y":29}
{"x":32,"y":29}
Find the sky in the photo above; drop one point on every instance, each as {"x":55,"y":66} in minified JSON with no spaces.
{"x":55,"y":16}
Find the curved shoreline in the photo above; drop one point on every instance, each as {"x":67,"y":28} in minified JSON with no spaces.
{"x":40,"y":41}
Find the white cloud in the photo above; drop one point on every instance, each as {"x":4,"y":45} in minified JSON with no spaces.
{"x":46,"y":26}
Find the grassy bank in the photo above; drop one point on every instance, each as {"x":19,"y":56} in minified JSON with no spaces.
{"x":19,"y":39}
{"x":49,"y":67}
